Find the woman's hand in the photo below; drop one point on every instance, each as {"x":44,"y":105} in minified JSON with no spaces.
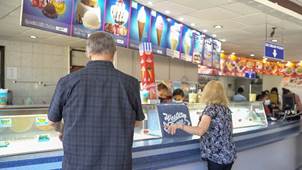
{"x":173,"y":128}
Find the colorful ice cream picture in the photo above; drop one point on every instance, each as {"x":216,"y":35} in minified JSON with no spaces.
{"x":140,"y":24}
{"x":117,"y":18}
{"x":174,"y":36}
{"x":187,"y":44}
{"x":208,"y":52}
{"x":216,"y":53}
{"x":159,"y":28}
{"x":50,"y":15}
{"x":198,"y":40}
{"x":88,"y":17}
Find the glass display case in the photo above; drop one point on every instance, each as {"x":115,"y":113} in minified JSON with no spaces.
{"x":25,"y":129}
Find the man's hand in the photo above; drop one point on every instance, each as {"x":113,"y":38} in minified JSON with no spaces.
{"x":59,"y":127}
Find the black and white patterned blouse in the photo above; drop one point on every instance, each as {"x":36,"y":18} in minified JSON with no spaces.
{"x":217,"y":144}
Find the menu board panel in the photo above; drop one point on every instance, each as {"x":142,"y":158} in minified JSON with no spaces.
{"x":174,"y":38}
{"x":159,"y":30}
{"x":88,"y":18}
{"x":117,"y":18}
{"x":208,"y":52}
{"x":198,"y":47}
{"x":216,"y":53}
{"x":187,"y":44}
{"x":140,"y":24}
{"x":52,"y":15}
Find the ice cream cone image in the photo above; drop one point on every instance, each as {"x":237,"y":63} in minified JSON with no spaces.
{"x":174,"y":35}
{"x":187,"y":48}
{"x":141,"y":21}
{"x":187,"y":42}
{"x":150,"y":73}
{"x":159,"y":24}
{"x":174,"y":43}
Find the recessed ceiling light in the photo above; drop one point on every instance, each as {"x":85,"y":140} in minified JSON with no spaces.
{"x":33,"y":37}
{"x":222,"y":51}
{"x":223,"y":40}
{"x":169,"y":19}
{"x":150,"y":3}
{"x":218,"y":26}
{"x":252,"y":55}
{"x":167,"y":11}
{"x":233,"y":53}
{"x":274,"y":40}
{"x":181,"y":19}
{"x":214,"y":35}
{"x":204,"y":30}
{"x":192,"y":24}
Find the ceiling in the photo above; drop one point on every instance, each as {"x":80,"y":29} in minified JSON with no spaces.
{"x":244,"y":24}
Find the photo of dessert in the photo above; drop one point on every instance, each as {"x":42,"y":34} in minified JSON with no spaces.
{"x":208,"y":49}
{"x":288,"y":70}
{"x":299,"y":70}
{"x":50,"y":8}
{"x":174,"y":36}
{"x":216,"y":53}
{"x":159,"y":24}
{"x":117,"y":20}
{"x":89,"y":14}
{"x":141,"y":21}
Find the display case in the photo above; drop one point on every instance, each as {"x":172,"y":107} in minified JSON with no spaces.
{"x":25,"y":129}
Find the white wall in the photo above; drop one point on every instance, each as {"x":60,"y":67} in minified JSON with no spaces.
{"x":272,"y":81}
{"x":34,"y":62}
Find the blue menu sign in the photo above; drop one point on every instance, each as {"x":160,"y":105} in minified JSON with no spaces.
{"x":170,"y":114}
{"x":274,"y":51}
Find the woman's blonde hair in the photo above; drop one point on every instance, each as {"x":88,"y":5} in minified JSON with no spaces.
{"x":214,"y":93}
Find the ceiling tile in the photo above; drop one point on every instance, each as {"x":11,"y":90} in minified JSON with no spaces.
{"x":212,"y":14}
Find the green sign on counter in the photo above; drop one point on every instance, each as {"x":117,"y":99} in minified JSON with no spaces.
{"x":5,"y":123}
{"x":41,"y":121}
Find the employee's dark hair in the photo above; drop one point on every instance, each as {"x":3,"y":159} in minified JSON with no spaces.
{"x":162,"y":86}
{"x":179,"y":92}
{"x":100,"y":43}
{"x":240,"y":90}
{"x":274,"y":89}
{"x":285,"y":91}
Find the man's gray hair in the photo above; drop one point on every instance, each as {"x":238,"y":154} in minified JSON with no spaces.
{"x":100,"y":43}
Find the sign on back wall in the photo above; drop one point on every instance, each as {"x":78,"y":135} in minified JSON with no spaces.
{"x":274,"y":51}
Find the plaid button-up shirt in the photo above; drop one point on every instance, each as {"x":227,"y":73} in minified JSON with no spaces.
{"x":99,"y":105}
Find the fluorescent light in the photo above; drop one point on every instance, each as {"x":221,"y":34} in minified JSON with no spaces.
{"x":204,"y":30}
{"x":223,"y":40}
{"x":214,"y":35}
{"x":167,"y":11}
{"x":150,"y":3}
{"x":218,"y":26}
{"x":192,"y":24}
{"x":274,"y":40}
{"x":252,"y":55}
{"x":33,"y":37}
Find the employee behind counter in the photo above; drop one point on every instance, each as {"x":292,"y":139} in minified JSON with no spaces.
{"x":165,"y":95}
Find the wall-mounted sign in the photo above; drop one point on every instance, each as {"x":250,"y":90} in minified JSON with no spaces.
{"x":274,"y":51}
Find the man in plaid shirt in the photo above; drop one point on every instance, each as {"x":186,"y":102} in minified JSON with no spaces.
{"x":100,"y":106}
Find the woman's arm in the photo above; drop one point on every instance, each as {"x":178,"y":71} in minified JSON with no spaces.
{"x":199,"y":130}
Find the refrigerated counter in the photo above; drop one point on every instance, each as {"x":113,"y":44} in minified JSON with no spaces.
{"x":27,"y":142}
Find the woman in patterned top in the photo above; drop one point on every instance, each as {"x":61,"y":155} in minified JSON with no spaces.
{"x":215,"y":128}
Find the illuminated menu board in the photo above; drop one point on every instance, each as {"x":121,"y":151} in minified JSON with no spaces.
{"x":140,"y":25}
{"x":187,"y":45}
{"x":117,"y":17}
{"x":208,"y":52}
{"x":159,"y":28}
{"x":216,"y":53}
{"x":174,"y":36}
{"x":88,"y":17}
{"x":198,"y":47}
{"x":53,"y":16}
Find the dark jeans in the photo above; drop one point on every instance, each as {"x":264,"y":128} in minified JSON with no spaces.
{"x":215,"y":166}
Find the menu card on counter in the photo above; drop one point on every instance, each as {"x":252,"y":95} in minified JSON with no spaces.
{"x":53,"y":15}
{"x":208,"y":52}
{"x":170,"y":114}
{"x":174,"y":38}
{"x":159,"y":28}
{"x":216,"y":53}
{"x":187,"y":44}
{"x":140,"y":25}
{"x":198,"y":47}
{"x":118,"y":13}
{"x":88,"y":17}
